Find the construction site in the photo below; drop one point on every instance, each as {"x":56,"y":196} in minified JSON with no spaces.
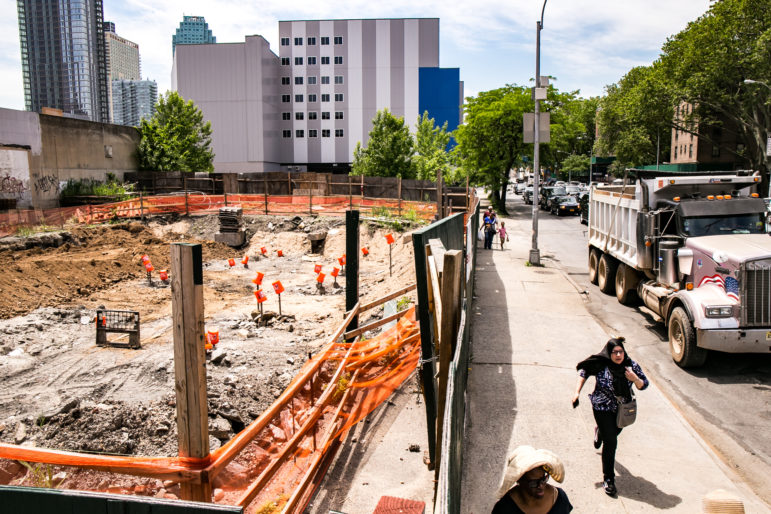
{"x":91,"y":337}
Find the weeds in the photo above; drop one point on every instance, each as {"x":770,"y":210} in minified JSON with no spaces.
{"x":41,"y":475}
{"x":273,"y":505}
{"x":403,"y":303}
{"x":90,"y":187}
{"x":23,"y":231}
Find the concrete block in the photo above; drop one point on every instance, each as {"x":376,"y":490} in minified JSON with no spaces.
{"x":233,"y":239}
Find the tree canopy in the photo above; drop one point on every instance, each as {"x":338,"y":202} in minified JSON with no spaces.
{"x":430,"y":149}
{"x":175,"y":138}
{"x":389,"y":150}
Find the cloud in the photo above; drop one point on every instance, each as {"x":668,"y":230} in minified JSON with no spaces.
{"x":584,"y":42}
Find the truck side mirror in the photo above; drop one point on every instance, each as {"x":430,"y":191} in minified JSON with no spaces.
{"x":685,"y":260}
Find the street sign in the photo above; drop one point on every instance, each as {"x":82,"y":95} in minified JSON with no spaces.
{"x":528,"y":127}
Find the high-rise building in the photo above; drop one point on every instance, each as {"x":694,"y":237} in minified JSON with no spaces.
{"x":63,"y":57}
{"x":309,"y":106}
{"x":193,"y":30}
{"x":122,"y":57}
{"x":133,"y":100}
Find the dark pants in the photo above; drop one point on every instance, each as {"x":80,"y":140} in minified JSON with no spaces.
{"x":489,"y":239}
{"x":606,"y":422}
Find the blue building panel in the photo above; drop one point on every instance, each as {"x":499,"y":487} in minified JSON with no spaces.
{"x":439,"y":94}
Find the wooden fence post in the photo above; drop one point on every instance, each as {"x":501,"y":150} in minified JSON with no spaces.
{"x":439,"y":195}
{"x":399,"y":192}
{"x":141,"y":206}
{"x":448,"y":334}
{"x":350,"y":192}
{"x":187,"y":206}
{"x":190,"y":360}
{"x":265,"y":190}
{"x":225,"y":196}
{"x":310,"y":197}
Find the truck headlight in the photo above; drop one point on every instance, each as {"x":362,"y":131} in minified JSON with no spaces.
{"x":562,"y":206}
{"x":719,"y":311}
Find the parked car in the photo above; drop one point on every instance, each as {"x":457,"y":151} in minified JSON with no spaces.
{"x":564,"y":205}
{"x":583,"y":206}
{"x":527,"y":195}
{"x":520,"y":188}
{"x":547,"y":193}
{"x":572,"y":189}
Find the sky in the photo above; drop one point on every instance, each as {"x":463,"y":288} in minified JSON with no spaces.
{"x":585,"y":44}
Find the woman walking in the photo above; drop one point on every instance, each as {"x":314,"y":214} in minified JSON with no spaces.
{"x":614,"y":373}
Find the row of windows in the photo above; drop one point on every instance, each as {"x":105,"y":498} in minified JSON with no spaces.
{"x":313,"y":133}
{"x":311,"y":98}
{"x":298,"y":41}
{"x":298,"y":61}
{"x":311,"y":80}
{"x":312,"y":115}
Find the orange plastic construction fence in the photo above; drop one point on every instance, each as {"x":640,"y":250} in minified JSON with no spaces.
{"x":284,"y":449}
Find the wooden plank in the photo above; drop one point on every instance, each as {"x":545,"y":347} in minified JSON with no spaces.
{"x":453,"y":265}
{"x":375,"y":324}
{"x":380,"y":301}
{"x":437,"y":250}
{"x":190,"y":360}
{"x":433,"y":276}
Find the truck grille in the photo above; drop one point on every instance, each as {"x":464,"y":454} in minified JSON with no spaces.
{"x":755,"y":292}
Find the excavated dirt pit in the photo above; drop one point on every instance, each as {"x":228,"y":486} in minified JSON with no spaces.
{"x":62,"y":391}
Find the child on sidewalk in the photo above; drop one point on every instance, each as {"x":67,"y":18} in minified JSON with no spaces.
{"x":502,"y":234}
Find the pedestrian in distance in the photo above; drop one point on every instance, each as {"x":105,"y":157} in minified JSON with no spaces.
{"x":524,"y":488}
{"x":502,"y":233}
{"x":612,"y":400}
{"x":488,"y":228}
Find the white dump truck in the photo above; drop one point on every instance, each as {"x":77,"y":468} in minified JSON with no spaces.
{"x":694,"y":250}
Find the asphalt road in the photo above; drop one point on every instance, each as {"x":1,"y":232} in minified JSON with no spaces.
{"x":728,"y":400}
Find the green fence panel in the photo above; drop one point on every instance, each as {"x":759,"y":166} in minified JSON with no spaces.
{"x":34,"y":500}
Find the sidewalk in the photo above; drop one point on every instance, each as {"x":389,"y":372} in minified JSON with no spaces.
{"x":530,"y":328}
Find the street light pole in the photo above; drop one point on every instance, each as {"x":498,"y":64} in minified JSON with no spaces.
{"x":535,"y":254}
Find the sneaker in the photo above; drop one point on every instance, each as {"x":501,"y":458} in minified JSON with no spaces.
{"x":597,"y":440}
{"x":609,"y":484}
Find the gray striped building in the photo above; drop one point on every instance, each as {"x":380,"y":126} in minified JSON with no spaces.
{"x":308,"y":107}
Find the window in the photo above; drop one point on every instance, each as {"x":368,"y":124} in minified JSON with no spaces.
{"x":338,"y":79}
{"x":338,"y":97}
{"x":313,"y":133}
{"x":325,"y":60}
{"x":298,"y":98}
{"x":690,"y":150}
{"x":311,"y":80}
{"x":287,"y":133}
{"x":299,"y":133}
{"x":286,"y":116}
{"x":286,"y":99}
{"x":338,"y":40}
{"x":675,"y":152}
{"x":311,"y":41}
{"x":324,"y":98}
{"x":313,"y":115}
{"x":339,"y":133}
{"x":284,"y":41}
{"x":324,"y":115}
{"x":311,"y":61}
{"x":285,"y":61}
{"x":715,"y":151}
{"x":311,"y":98}
{"x":338,"y":59}
{"x":324,"y":40}
{"x":284,"y":81}
{"x":299,"y":116}
{"x":298,"y":81}
{"x":338,"y":115}
{"x":325,"y":80}
{"x":298,"y":41}
{"x":324,"y":132}
{"x":298,"y":61}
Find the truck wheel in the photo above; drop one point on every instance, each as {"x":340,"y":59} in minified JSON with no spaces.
{"x":682,"y":341}
{"x":606,"y":274}
{"x":626,"y":284}
{"x":594,"y":261}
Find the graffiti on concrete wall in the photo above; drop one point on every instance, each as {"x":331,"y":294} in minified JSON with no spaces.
{"x":47,"y":184}
{"x":12,"y":186}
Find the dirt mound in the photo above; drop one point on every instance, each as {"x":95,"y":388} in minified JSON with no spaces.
{"x":92,"y":259}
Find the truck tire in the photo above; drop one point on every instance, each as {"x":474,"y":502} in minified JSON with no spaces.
{"x":682,"y":341}
{"x":626,"y":284}
{"x":606,"y":274}
{"x":594,"y":262}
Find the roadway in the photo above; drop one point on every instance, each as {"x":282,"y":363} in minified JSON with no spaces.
{"x":727,"y":401}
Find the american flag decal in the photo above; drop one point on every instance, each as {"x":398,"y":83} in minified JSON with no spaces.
{"x":732,"y":288}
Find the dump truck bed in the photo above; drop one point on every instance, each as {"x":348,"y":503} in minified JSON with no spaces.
{"x":613,"y":221}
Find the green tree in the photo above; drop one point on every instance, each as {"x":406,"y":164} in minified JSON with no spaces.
{"x":430,"y":149}
{"x":707,"y":64}
{"x":490,"y":140}
{"x":175,"y":138}
{"x":575,"y":165}
{"x":389,"y":150}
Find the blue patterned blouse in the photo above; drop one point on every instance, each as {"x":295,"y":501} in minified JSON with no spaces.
{"x":603,"y":398}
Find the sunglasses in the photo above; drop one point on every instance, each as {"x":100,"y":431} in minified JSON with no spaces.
{"x":617,"y":352}
{"x":534,"y":484}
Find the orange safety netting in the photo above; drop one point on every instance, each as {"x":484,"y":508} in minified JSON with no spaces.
{"x":283,"y":450}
